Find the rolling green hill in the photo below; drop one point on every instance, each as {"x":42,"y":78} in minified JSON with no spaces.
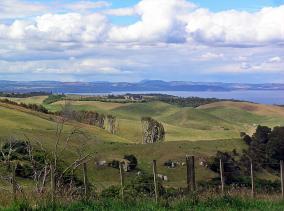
{"x":215,"y":121}
{"x":199,"y":131}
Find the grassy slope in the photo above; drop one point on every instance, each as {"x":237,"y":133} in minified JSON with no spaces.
{"x":223,"y":120}
{"x":219,"y":127}
{"x":18,"y":122}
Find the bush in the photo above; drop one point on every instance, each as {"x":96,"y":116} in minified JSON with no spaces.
{"x":132,"y":161}
{"x":24,"y":170}
{"x":111,"y":192}
{"x":143,"y":186}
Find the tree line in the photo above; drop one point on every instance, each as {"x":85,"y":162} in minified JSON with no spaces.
{"x":24,"y":95}
{"x":31,"y":106}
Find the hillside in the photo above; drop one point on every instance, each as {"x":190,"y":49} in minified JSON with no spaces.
{"x":197,"y":131}
{"x":214,"y":121}
{"x":22,"y":124}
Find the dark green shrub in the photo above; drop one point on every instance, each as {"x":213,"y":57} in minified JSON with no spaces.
{"x":132,"y":161}
{"x":111,"y":192}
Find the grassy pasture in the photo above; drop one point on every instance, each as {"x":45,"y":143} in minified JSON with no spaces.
{"x":200,"y":132}
{"x":216,"y":121}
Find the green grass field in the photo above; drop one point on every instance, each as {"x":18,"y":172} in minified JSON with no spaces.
{"x":197,"y":131}
{"x":217,"y":121}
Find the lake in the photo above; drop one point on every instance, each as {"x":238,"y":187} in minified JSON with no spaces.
{"x":258,"y":96}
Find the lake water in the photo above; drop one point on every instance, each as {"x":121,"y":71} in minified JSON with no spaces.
{"x":264,"y":97}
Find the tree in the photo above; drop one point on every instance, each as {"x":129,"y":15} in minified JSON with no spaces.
{"x":265,"y":146}
{"x":153,"y":131}
{"x":112,"y":122}
{"x":231,"y":169}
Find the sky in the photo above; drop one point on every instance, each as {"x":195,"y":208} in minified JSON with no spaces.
{"x":133,"y":40}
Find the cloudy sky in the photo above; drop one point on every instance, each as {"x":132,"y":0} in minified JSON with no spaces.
{"x":132,"y":40}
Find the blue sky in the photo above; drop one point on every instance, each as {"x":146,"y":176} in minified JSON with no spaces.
{"x":131,"y":40}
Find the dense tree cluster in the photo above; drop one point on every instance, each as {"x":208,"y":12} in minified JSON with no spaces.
{"x":87,"y":117}
{"x":24,"y":95}
{"x":153,"y":131}
{"x":174,"y":100}
{"x":185,"y":101}
{"x":34,"y":107}
{"x":265,"y":149}
{"x":28,"y":160}
{"x":266,"y":145}
{"x":53,"y":98}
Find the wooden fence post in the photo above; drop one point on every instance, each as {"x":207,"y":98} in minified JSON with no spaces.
{"x":121,"y":180}
{"x":222,"y":175}
{"x":252,"y":179}
{"x":86,"y":183}
{"x":193,"y":184}
{"x":282,"y":177}
{"x":190,"y":165}
{"x":188,"y":173}
{"x":14,"y":184}
{"x":52,"y":184}
{"x":155,"y":180}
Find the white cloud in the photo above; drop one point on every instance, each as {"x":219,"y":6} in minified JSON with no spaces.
{"x":10,"y":9}
{"x":96,"y":66}
{"x":171,"y":21}
{"x":160,"y":22}
{"x":235,"y":27}
{"x":254,"y":66}
{"x":211,"y":56}
{"x":72,"y":27}
{"x":169,"y":35}
{"x":129,"y":11}
{"x":59,"y":27}
{"x":275,"y":59}
{"x":82,"y":6}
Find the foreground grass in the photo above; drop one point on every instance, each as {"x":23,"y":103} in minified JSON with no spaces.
{"x":216,"y":203}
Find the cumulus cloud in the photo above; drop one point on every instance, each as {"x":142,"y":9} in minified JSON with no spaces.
{"x":59,"y":27}
{"x":169,"y":35}
{"x":236,"y":27}
{"x":160,"y":21}
{"x":171,"y":21}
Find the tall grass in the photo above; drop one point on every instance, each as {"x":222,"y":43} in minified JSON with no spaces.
{"x":227,"y":203}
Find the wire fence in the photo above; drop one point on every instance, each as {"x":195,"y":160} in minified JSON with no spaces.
{"x":155,"y":179}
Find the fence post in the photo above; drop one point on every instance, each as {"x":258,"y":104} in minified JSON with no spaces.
{"x":193,"y":184}
{"x":190,"y":165}
{"x":188,"y":173}
{"x":155,"y":180}
{"x":86,"y":183}
{"x":282,"y":177}
{"x":252,"y":179}
{"x":14,"y":184}
{"x":222,"y":175}
{"x":121,"y":180}
{"x":52,"y":183}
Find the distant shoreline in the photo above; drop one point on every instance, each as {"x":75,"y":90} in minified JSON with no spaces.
{"x":272,"y":97}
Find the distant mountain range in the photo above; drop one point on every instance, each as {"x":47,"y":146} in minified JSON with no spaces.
{"x":146,"y":85}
